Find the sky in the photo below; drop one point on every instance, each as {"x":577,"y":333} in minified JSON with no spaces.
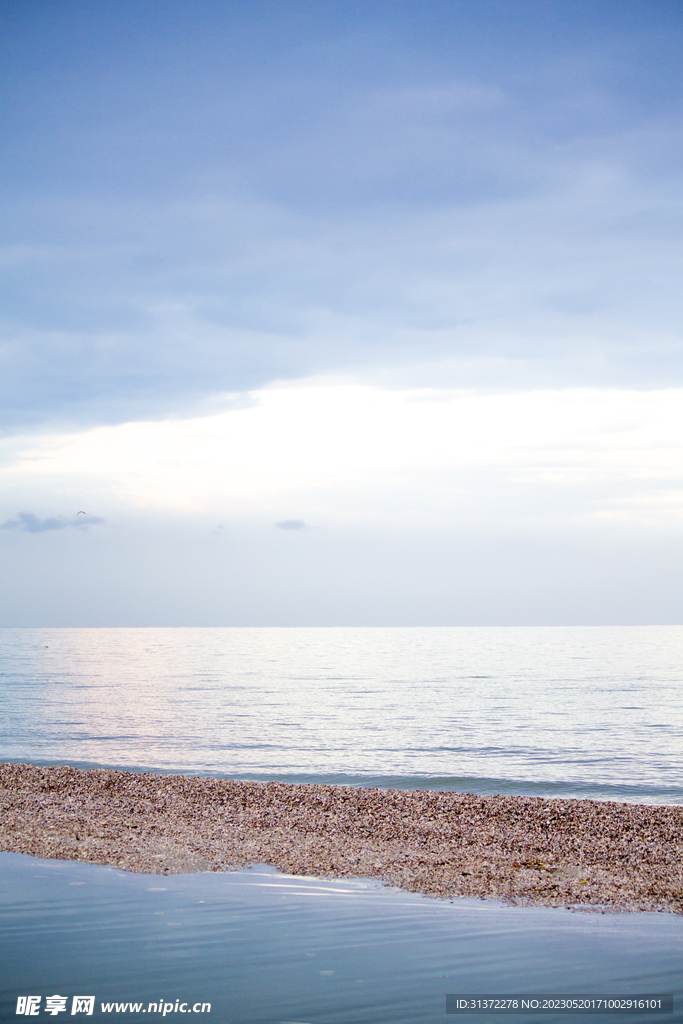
{"x":341,"y":313}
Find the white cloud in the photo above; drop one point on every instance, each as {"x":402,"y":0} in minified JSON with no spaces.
{"x":335,"y":451}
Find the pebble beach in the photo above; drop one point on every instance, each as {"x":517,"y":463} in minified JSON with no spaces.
{"x":581,"y":854}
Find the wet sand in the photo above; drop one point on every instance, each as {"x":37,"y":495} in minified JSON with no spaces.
{"x":529,"y":850}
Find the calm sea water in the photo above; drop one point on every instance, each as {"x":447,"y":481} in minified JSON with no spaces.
{"x":264,"y":948}
{"x":567,"y":711}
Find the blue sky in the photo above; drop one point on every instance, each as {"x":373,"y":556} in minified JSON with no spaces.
{"x":221,"y":216}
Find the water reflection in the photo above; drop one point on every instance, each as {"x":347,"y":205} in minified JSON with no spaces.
{"x":264,"y":947}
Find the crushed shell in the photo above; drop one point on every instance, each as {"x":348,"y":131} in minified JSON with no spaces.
{"x":582,"y":854}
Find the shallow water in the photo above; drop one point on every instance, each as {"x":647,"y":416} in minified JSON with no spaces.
{"x":545,"y":711}
{"x":264,"y":948}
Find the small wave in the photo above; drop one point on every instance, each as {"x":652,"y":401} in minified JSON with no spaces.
{"x":483,"y":786}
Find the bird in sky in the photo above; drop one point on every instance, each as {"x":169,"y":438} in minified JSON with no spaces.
{"x":81,"y":513}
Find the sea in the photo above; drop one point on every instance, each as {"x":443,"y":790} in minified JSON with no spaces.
{"x":567,"y":711}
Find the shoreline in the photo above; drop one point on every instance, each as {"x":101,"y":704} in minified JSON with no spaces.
{"x":557,"y":852}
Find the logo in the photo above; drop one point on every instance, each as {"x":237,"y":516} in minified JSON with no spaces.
{"x":29,"y":1006}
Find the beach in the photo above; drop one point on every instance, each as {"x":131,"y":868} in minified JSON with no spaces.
{"x":582,"y":854}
